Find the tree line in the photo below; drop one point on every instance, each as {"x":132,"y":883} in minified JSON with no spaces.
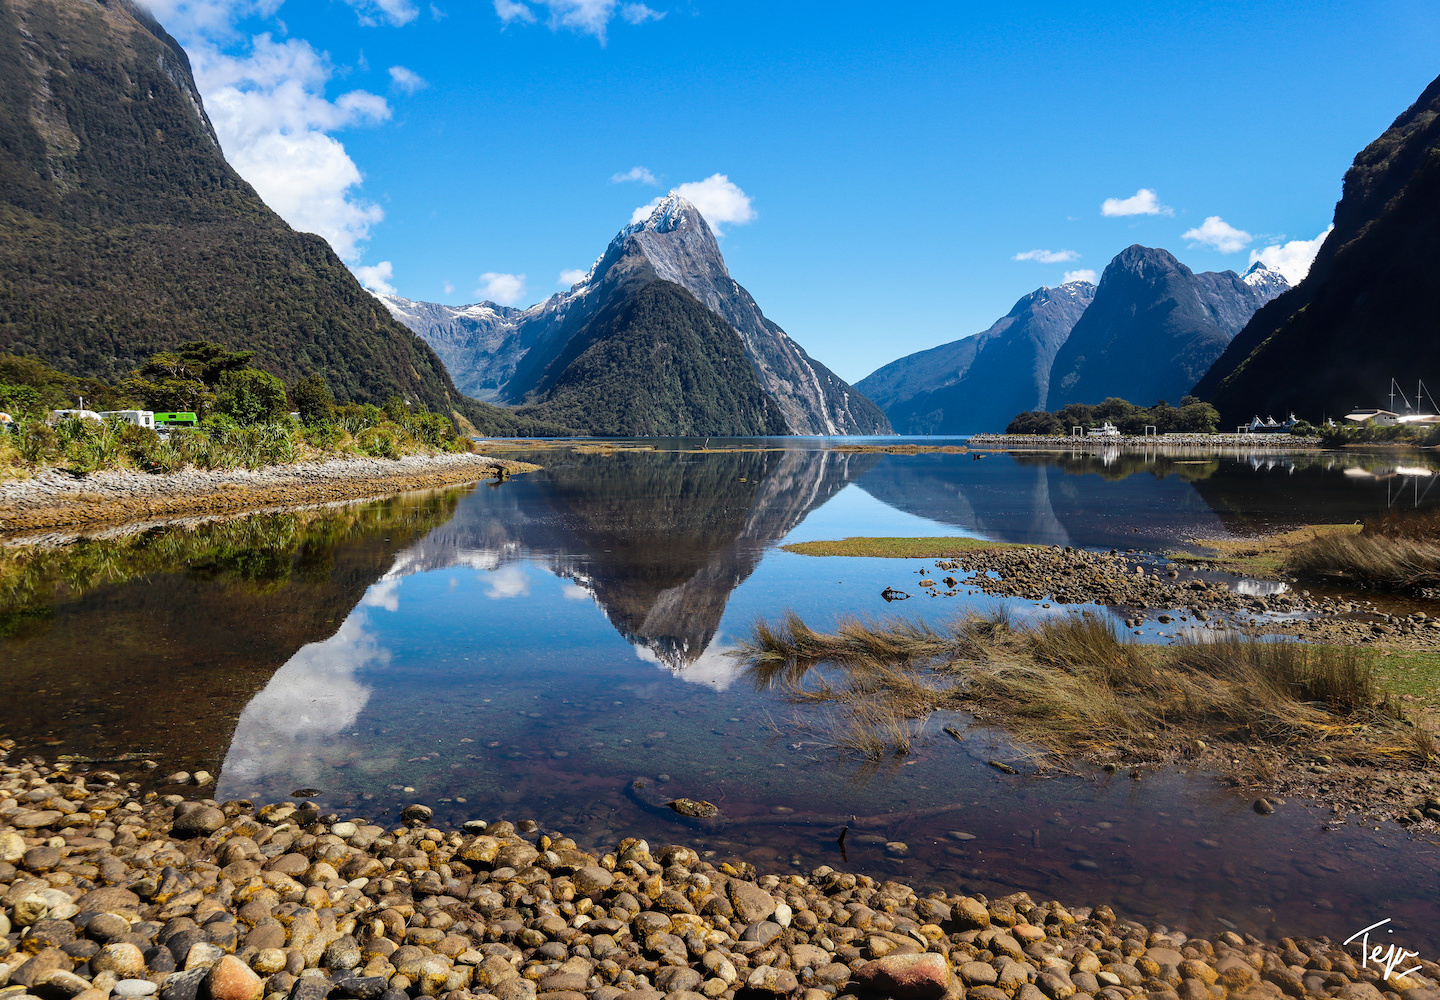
{"x":1192,"y":416}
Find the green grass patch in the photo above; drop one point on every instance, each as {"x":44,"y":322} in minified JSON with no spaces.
{"x":900,"y":548}
{"x":1412,"y":672}
{"x":1265,"y":556}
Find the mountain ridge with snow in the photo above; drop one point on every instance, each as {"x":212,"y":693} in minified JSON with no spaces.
{"x":504,"y":355}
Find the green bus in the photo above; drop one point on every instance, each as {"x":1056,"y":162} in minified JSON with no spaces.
{"x":180,"y":419}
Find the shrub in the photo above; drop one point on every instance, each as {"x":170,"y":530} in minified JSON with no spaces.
{"x":325,"y":436}
{"x":20,"y":400}
{"x":312,"y":400}
{"x":251,"y":396}
{"x":38,"y":442}
{"x":379,"y":442}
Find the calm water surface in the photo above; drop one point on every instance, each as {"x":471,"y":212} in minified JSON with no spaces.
{"x":528,"y":650}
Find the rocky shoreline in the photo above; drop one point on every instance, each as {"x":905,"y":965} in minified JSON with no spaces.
{"x":106,"y":891}
{"x":54,"y":499}
{"x":1189,"y":443}
{"x":1168,"y":594}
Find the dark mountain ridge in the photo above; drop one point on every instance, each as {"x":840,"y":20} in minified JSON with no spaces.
{"x":1363,"y":314}
{"x":1153,"y":329}
{"x":980,"y":382}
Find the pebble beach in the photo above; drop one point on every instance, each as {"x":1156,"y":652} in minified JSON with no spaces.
{"x":107,"y":890}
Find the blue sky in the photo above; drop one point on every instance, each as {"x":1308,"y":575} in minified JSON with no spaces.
{"x":881,"y":166}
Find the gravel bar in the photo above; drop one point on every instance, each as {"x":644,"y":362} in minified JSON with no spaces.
{"x":56,"y":499}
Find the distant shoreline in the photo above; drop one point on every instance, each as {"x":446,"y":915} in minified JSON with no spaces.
{"x":1164,"y":442}
{"x":56,"y":500}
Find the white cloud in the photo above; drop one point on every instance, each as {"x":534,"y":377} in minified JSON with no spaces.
{"x":1048,"y":256}
{"x":506,"y":583}
{"x":1291,"y":259}
{"x":378,"y":277}
{"x":1084,"y":274}
{"x":1217,"y":234}
{"x":506,"y":289}
{"x":640,"y":174}
{"x":718,"y":198}
{"x":510,"y":10}
{"x":375,"y":12}
{"x":449,"y":288}
{"x":186,"y":19}
{"x":638,"y":13}
{"x":590,"y":17}
{"x":1143,"y":202}
{"x":571,"y":275}
{"x":269,"y":109}
{"x":407,"y":79}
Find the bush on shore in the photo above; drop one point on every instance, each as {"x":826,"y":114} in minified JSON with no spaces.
{"x":1340,"y":435}
{"x":245,"y":418}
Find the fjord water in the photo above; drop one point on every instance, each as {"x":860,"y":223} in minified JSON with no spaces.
{"x":526,"y":650}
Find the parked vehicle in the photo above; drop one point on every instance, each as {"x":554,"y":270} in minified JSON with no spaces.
{"x":176,"y":419}
{"x":140,"y":418}
{"x":80,"y":414}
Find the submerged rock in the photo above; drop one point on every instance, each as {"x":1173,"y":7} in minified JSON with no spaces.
{"x":694,"y":808}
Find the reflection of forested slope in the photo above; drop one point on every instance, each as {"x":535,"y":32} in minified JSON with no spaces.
{"x":661,"y":539}
{"x":1322,"y":490}
{"x":160,"y":640}
{"x":1048,"y":500}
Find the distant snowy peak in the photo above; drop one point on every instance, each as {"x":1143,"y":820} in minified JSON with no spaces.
{"x":1260,"y":276}
{"x":402,"y":309}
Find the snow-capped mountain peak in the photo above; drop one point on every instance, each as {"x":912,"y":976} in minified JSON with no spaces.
{"x":1260,"y":276}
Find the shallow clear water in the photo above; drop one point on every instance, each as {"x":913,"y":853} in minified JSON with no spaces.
{"x":527,"y":650}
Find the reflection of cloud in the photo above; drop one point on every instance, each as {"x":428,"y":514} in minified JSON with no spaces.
{"x":507,"y":582}
{"x":385,"y":594}
{"x":715,"y":668}
{"x":1260,"y":588}
{"x":572,"y":592}
{"x":308,"y":701}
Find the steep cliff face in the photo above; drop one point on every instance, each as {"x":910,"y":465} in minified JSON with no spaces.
{"x":510,"y":356}
{"x":1365,"y":312}
{"x":1153,"y":329}
{"x":680,"y":246}
{"x":981,"y":382}
{"x":123,"y":231}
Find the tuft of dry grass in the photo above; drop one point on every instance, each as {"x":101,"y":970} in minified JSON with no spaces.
{"x":1074,"y":685}
{"x":1399,"y":550}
